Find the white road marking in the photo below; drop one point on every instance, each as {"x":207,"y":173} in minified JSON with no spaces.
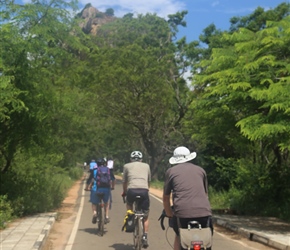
{"x":77,"y":221}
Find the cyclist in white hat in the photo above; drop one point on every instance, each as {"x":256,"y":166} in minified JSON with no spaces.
{"x":188,"y":185}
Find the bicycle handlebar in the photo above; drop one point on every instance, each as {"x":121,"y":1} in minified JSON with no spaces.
{"x":161,"y":218}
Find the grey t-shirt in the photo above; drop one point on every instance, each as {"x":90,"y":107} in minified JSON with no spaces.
{"x":189,"y":187}
{"x":137,"y":174}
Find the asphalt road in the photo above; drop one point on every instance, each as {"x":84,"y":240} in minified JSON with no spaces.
{"x":85,"y":234}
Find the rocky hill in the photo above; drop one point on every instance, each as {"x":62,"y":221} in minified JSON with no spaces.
{"x":93,"y":19}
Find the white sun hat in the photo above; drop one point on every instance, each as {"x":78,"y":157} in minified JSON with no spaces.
{"x":181,"y":155}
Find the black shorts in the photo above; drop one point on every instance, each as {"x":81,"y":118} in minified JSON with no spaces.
{"x":143,"y":193}
{"x":112,"y":174}
{"x":203,"y":221}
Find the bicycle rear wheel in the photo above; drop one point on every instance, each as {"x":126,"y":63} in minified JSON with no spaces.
{"x":137,"y":234}
{"x":101,"y":222}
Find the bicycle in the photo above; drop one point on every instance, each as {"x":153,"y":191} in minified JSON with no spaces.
{"x":138,"y":223}
{"x":101,"y":214}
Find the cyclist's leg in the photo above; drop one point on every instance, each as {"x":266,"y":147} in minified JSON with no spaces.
{"x":130,"y":199}
{"x":89,"y":180}
{"x":106,"y":199}
{"x":113,"y":179}
{"x":93,"y":199}
{"x":145,"y":205}
{"x":177,"y":244}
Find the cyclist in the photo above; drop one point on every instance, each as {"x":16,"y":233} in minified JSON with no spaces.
{"x":110,"y":165}
{"x":92,"y":186}
{"x":93,"y":165}
{"x":188,"y":184}
{"x":102,"y":188}
{"x":136,"y":179}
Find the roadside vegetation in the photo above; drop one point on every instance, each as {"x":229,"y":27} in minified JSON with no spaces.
{"x":68,"y":96}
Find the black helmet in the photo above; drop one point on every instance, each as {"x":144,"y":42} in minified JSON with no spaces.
{"x":101,"y":162}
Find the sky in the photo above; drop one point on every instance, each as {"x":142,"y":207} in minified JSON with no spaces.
{"x":201,"y":13}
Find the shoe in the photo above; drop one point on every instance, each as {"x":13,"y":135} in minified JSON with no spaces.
{"x":94,"y":220}
{"x":145,"y":241}
{"x":107,"y":220}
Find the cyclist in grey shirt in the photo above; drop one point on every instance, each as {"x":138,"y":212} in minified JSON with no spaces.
{"x":136,"y":178}
{"x":188,"y":185}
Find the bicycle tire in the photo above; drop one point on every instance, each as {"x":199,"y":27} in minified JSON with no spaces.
{"x":101,"y":220}
{"x":137,"y":235}
{"x":140,"y":233}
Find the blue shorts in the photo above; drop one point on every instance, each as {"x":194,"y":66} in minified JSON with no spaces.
{"x":93,"y":197}
{"x":107,"y":194}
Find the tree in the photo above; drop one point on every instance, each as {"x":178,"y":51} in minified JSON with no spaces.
{"x":137,"y":81}
{"x":245,"y":85}
{"x":109,"y":12}
{"x":40,"y":47}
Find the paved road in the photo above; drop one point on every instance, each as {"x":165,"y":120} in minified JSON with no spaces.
{"x":85,"y":234}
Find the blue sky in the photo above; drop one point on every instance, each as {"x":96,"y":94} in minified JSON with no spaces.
{"x":201,"y":13}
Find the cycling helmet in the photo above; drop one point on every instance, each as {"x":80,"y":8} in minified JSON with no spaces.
{"x":136,"y":155}
{"x":101,"y":162}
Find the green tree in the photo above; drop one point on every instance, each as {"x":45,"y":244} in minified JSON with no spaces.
{"x":246,"y":86}
{"x":109,"y":12}
{"x":137,"y":81}
{"x":40,"y":55}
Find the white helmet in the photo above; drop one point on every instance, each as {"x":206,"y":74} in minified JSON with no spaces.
{"x":136,"y":155}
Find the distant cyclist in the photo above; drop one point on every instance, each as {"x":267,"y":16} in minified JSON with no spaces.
{"x":93,"y":165}
{"x":189,"y":188}
{"x":110,"y":165}
{"x":136,"y":178}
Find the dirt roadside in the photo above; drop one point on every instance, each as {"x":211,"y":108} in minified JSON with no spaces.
{"x":63,"y":225}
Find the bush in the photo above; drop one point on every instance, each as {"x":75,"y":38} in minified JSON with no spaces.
{"x":6,"y":211}
{"x":37,"y":190}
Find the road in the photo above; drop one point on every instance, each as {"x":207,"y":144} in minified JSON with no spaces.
{"x":84,"y":235}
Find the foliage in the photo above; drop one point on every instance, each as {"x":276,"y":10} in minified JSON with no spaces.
{"x":109,"y":12}
{"x":240,"y":113}
{"x":68,"y":97}
{"x":34,"y":187}
{"x":137,"y":81}
{"x":5,"y":211}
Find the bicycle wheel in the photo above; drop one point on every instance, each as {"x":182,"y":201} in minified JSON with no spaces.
{"x":138,"y":233}
{"x":101,"y":222}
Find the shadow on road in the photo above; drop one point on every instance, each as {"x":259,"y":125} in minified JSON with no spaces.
{"x":92,"y":231}
{"x":122,"y":246}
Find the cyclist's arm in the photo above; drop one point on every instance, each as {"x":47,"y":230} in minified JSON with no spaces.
{"x":167,"y":206}
{"x":125,"y":185}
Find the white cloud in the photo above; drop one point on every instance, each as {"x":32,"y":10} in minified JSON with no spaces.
{"x":215,"y":3}
{"x":161,"y":7}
